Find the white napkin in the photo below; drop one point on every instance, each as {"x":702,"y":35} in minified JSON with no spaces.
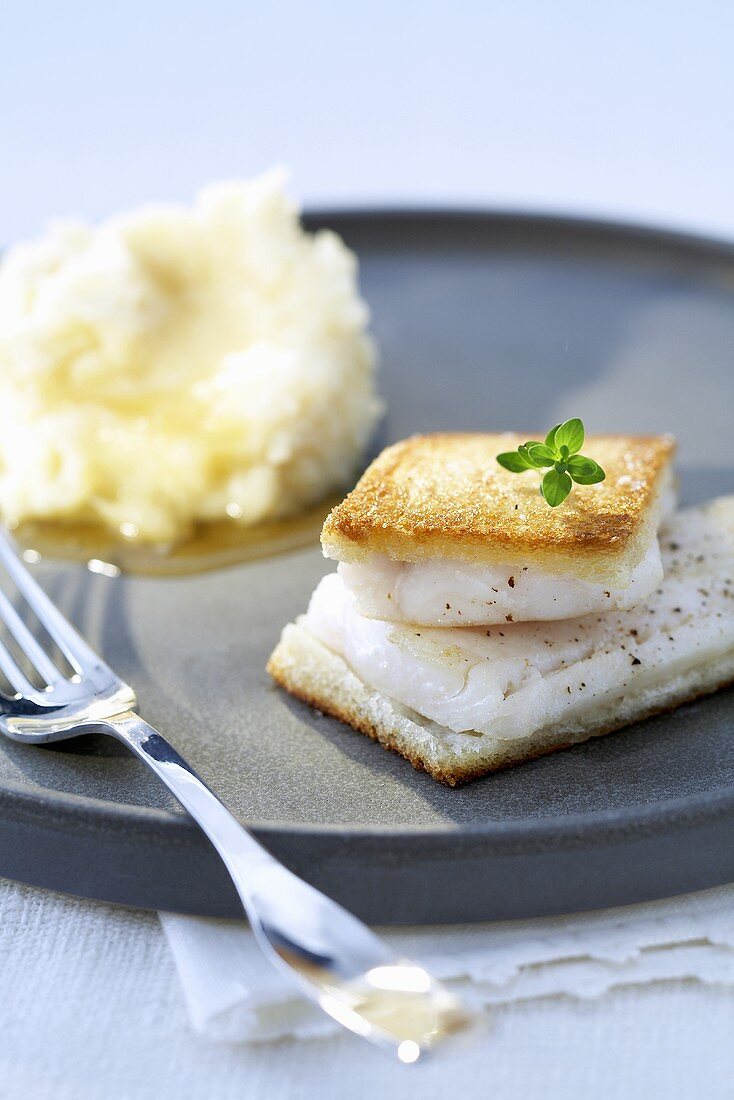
{"x":233,"y":994}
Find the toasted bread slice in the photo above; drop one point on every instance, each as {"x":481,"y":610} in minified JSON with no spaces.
{"x":445,"y":496}
{"x":459,"y":703}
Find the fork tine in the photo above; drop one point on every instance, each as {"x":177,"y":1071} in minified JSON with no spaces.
{"x":30,"y":646}
{"x":69,"y":641}
{"x":14,"y":674}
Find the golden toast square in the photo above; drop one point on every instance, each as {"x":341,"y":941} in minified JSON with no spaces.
{"x":445,"y":496}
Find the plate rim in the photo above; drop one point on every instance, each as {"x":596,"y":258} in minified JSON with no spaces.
{"x":31,"y":803}
{"x":636,"y":231}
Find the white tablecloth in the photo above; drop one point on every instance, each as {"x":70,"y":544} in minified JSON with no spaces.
{"x":92,"y":1006}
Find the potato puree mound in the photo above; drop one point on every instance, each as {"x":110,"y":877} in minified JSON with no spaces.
{"x":173,"y":365}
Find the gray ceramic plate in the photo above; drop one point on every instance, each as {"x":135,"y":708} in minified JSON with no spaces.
{"x":484,"y":322}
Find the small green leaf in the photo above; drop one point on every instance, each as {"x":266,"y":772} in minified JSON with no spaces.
{"x":540,"y":454}
{"x":514,"y":462}
{"x":585,"y":471}
{"x":570,"y":434}
{"x":560,"y":452}
{"x":550,"y":439}
{"x":580,"y":465}
{"x":556,"y":487}
{"x":524,"y":451}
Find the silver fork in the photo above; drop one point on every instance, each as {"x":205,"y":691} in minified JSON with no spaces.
{"x":334,"y":959}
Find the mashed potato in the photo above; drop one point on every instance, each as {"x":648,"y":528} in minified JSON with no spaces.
{"x":174,"y":365}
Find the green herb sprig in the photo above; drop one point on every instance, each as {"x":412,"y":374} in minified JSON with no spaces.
{"x":561,"y":452}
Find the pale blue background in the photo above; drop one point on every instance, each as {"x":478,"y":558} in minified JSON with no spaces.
{"x":621,"y":108}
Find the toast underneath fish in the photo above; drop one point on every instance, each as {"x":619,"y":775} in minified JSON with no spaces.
{"x":460,"y":703}
{"x":436,"y":532}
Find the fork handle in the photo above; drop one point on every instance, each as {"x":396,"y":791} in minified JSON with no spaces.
{"x":247,"y":861}
{"x":332,"y":957}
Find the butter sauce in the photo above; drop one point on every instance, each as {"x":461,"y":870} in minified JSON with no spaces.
{"x":210,"y":546}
